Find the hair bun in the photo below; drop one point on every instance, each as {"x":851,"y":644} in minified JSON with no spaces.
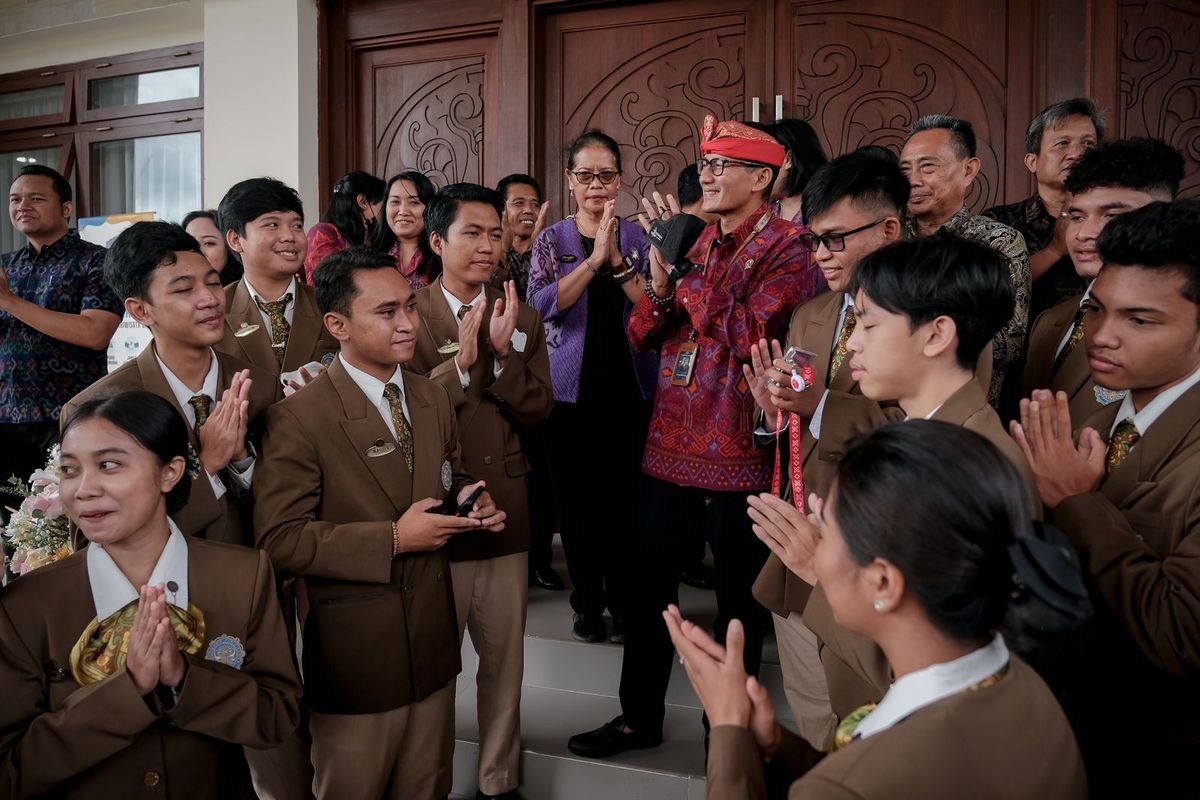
{"x":1046,"y":570}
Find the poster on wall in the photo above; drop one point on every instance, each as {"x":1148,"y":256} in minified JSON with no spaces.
{"x":131,"y":336}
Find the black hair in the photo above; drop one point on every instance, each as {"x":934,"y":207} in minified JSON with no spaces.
{"x":62,"y":187}
{"x":870,"y":177}
{"x":945,"y":507}
{"x":234,"y":270}
{"x":385,"y":238}
{"x":1143,"y":164}
{"x":518,"y":179}
{"x":153,"y":423}
{"x":139,"y":250}
{"x":443,"y":208}
{"x":802,"y":144}
{"x":1055,"y":114}
{"x":687,"y":187}
{"x":333,"y":279}
{"x":962,"y":135}
{"x":942,"y":275}
{"x":343,"y":212}
{"x":248,"y":200}
{"x":593,"y":138}
{"x":1160,"y":237}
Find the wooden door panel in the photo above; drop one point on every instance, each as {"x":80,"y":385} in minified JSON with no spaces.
{"x":646,"y":75}
{"x":424,"y":106}
{"x":863,"y":71}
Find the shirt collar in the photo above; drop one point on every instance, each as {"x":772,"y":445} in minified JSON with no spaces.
{"x":847,"y":302}
{"x":55,"y":248}
{"x":256,"y":296}
{"x":1142,"y":420}
{"x":371,"y":386}
{"x":455,"y":303}
{"x":182,"y":393}
{"x":741,"y":232}
{"x":927,"y":686}
{"x":955,"y":223}
{"x":112,"y":591}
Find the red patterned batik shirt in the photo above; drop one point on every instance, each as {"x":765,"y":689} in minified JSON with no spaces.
{"x":702,"y":434}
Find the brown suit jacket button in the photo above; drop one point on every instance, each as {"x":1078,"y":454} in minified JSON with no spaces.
{"x":487,"y":459}
{"x":151,"y":778}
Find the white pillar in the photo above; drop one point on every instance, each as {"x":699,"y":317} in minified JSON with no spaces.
{"x":260,"y":96}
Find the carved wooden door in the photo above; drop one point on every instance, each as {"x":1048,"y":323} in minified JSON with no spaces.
{"x":646,"y":74}
{"x":862,"y":71}
{"x":424,"y":105}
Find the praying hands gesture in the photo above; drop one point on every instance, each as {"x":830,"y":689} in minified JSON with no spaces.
{"x":154,"y":655}
{"x":788,"y":533}
{"x":223,"y":435}
{"x":718,"y":674}
{"x":1060,"y":468}
{"x":504,"y":321}
{"x":663,"y":209}
{"x":606,"y":239}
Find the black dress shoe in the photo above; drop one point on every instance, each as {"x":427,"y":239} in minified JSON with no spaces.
{"x":588,"y":628}
{"x":546,"y":578}
{"x":697,"y":576}
{"x":617,"y":636}
{"x":610,"y":739}
{"x":510,"y":795}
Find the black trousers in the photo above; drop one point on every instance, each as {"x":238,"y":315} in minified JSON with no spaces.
{"x":24,"y":447}
{"x":543,"y":506}
{"x":596,"y":454}
{"x":672,"y":517}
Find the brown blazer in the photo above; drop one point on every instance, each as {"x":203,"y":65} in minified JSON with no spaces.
{"x":855,"y":667}
{"x":104,"y":740}
{"x":1010,"y":740}
{"x":491,"y":413}
{"x":223,"y":520}
{"x":1138,"y":539}
{"x":1075,"y":376}
{"x":308,"y":341}
{"x":380,"y":632}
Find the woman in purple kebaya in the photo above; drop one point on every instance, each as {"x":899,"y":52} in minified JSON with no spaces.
{"x":585,"y":275}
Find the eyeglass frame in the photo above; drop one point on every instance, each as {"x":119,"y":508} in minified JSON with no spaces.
{"x":817,"y":239}
{"x":594,"y":176}
{"x":708,"y":163}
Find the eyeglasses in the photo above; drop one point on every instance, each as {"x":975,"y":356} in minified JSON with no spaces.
{"x":834,"y":242}
{"x":586,"y":177}
{"x":718,"y":165}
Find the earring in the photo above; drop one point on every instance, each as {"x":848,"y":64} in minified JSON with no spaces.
{"x":879,"y":606}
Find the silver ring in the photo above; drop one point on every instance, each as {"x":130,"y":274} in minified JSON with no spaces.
{"x":774,"y":382}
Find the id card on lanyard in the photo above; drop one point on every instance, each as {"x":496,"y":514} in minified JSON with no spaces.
{"x":689,"y":351}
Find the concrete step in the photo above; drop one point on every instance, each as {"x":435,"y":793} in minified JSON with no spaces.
{"x":572,"y":686}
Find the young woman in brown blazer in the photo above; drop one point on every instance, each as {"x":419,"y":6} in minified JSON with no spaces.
{"x":146,"y":661}
{"x":925,"y":546}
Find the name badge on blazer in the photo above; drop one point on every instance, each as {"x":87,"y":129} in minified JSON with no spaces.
{"x":567,"y":258}
{"x":245,"y":330}
{"x":380,"y":448}
{"x":227,"y":650}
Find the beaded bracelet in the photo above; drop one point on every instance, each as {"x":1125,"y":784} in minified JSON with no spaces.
{"x":395,"y":540}
{"x":661,"y":302}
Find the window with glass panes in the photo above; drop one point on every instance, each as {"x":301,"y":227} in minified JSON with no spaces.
{"x":125,"y":131}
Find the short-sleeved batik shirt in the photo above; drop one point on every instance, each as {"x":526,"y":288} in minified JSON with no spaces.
{"x":38,"y":374}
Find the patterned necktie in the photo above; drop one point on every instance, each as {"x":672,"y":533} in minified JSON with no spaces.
{"x":1076,"y":338}
{"x":462,"y":312}
{"x":201,"y":404}
{"x":279,"y":324}
{"x":403,"y":430}
{"x":1124,"y":437}
{"x":839,"y":352}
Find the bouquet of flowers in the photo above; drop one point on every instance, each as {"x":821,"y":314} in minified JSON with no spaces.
{"x":38,"y":532}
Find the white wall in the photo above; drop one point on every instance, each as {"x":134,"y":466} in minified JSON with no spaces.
{"x":260,"y":95}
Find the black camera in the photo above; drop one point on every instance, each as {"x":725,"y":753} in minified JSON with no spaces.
{"x":674,"y":238}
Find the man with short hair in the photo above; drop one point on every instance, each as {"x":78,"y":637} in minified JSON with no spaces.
{"x":940,"y":162}
{"x":271,"y":318}
{"x":1126,"y":497}
{"x":701,"y":461}
{"x":523,"y":219}
{"x":1055,"y":139}
{"x":57,"y":316}
{"x":854,"y":205}
{"x":488,"y":349}
{"x":359,"y":490}
{"x":1112,"y":179}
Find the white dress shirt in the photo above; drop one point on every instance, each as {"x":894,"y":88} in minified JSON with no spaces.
{"x":112,"y":591}
{"x":925,"y":687}
{"x":373,"y":388}
{"x":456,"y":304}
{"x":1142,"y":420}
{"x":814,"y":424}
{"x":289,"y":310}
{"x":212,"y":388}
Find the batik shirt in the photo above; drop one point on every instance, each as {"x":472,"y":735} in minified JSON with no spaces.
{"x":1031,"y":219}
